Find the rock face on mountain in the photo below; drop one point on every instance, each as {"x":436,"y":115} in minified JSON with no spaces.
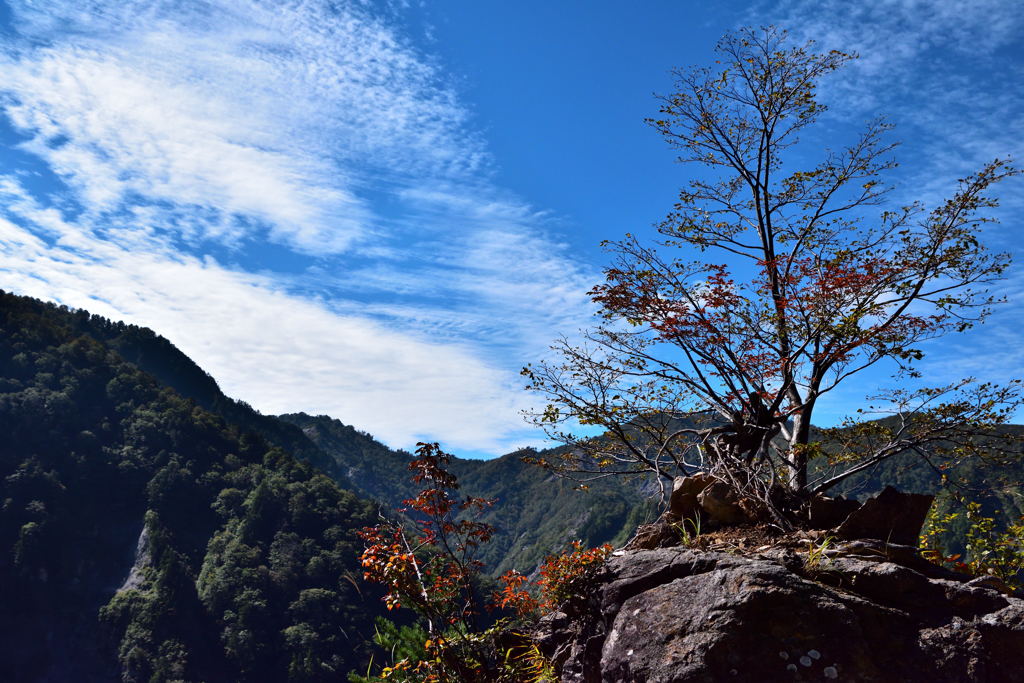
{"x":858,"y":611}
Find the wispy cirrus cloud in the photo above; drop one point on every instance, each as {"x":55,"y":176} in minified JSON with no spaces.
{"x":294,"y":195}
{"x":284,"y":352}
{"x":945,"y":74}
{"x":277,"y":116}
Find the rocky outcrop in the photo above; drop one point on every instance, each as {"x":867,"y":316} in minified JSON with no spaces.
{"x":859,"y":611}
{"x":825,"y":512}
{"x":143,"y":560}
{"x":890,"y":516}
{"x":702,"y":502}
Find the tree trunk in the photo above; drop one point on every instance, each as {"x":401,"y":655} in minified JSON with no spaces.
{"x":797,"y":452}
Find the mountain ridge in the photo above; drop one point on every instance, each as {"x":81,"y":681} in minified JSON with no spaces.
{"x":546,"y":513}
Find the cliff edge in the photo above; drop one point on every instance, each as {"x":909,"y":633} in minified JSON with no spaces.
{"x":799,"y":609}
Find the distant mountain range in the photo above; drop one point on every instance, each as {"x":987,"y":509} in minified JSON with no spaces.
{"x":153,"y":528}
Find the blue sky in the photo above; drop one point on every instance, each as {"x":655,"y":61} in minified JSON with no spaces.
{"x":381,"y":211}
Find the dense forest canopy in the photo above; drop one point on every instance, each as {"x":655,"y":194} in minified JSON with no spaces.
{"x":142,"y":534}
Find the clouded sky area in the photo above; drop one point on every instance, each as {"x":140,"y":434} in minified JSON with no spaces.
{"x":382,"y":211}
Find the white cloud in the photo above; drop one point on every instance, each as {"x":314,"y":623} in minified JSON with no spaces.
{"x":123,"y":135}
{"x":279,"y":352}
{"x":941,"y":71}
{"x":484,"y":268}
{"x":903,"y":28}
{"x":250,"y":110}
{"x":311,"y":131}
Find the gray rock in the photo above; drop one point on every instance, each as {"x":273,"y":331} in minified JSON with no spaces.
{"x":891,"y":516}
{"x":885,"y":583}
{"x":824,"y":512}
{"x":675,"y":614}
{"x":143,"y":560}
{"x":720,"y":502}
{"x":737,"y":618}
{"x":683,"y":502}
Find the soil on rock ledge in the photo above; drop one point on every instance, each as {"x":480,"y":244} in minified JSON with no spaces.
{"x":793,"y":609}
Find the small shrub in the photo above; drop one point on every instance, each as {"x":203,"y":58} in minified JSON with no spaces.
{"x":564,"y":581}
{"x":688,"y":530}
{"x":567,"y":577}
{"x":989,"y":551}
{"x":431,"y":568}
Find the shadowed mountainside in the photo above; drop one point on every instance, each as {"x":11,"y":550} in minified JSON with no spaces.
{"x":535,"y":513}
{"x":143,"y":537}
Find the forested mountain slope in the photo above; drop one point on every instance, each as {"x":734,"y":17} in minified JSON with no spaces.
{"x":156,"y":356}
{"x":143,"y":537}
{"x":538,"y":513}
{"x":535,"y":512}
{"x":998,"y":488}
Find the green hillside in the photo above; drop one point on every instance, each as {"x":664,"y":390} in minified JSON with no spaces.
{"x":997,"y":486}
{"x":156,"y":356}
{"x":535,"y":512}
{"x":143,"y":537}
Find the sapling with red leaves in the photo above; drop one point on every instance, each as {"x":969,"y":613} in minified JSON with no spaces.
{"x":429,"y":564}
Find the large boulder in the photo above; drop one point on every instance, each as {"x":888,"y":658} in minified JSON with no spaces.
{"x":825,"y":512}
{"x":722,"y":504}
{"x":890,"y":516}
{"x":683,"y":516}
{"x":866,"y":611}
{"x":683,"y":503}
